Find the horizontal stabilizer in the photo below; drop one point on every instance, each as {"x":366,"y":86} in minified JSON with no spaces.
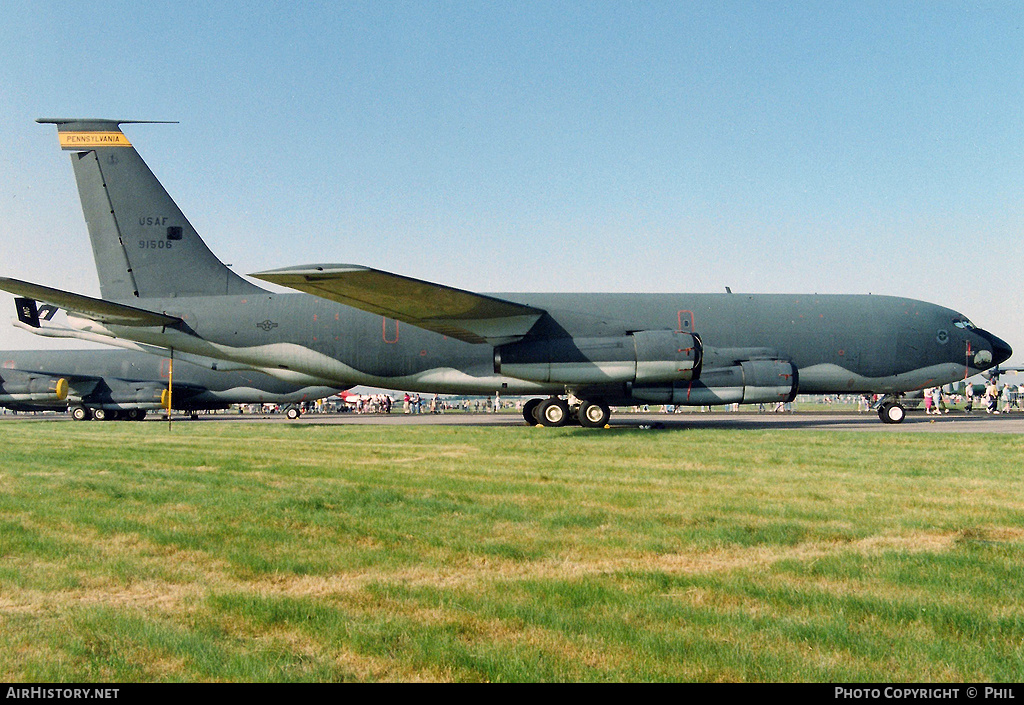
{"x":96,"y":309}
{"x":88,"y":133}
{"x":464,"y":315}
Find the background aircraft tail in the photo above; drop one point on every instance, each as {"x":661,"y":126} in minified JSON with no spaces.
{"x":143,"y":245}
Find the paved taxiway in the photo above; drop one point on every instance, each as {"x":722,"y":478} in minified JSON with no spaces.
{"x":914,"y":423}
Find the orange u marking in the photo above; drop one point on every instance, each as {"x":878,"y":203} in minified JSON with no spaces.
{"x":385,"y":332}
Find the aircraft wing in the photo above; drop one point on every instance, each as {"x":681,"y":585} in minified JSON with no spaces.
{"x":97,"y":309}
{"x":464,"y":315}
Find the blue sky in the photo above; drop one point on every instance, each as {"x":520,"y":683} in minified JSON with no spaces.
{"x":543,"y":146}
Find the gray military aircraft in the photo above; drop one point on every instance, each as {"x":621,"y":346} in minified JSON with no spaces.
{"x":581,"y":353}
{"x":123,"y":384}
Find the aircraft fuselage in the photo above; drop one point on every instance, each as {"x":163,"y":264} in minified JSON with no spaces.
{"x":838,"y":343}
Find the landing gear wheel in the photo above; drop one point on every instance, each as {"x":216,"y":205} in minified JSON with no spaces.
{"x":892,"y":412}
{"x":135,"y":414}
{"x":553,"y":412}
{"x":593,"y":414}
{"x":99,"y":415}
{"x":80,"y":413}
{"x":292,"y":413}
{"x":530,"y":411}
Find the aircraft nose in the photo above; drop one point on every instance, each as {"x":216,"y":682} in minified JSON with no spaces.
{"x":1001,"y":350}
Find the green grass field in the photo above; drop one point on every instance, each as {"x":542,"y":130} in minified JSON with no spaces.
{"x":252,"y":552}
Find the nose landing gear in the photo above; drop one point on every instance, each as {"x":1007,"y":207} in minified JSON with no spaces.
{"x":891,"y":411}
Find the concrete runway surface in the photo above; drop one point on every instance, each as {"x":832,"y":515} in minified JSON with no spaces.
{"x":954,"y":422}
{"x":916,"y":422}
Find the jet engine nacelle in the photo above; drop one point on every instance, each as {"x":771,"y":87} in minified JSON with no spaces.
{"x":129,"y":396}
{"x":136,"y":395}
{"x":644,"y":357}
{"x":749,"y":382}
{"x":180,"y":394}
{"x":34,"y":389}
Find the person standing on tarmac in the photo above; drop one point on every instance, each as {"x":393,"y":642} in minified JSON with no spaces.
{"x":991,"y":397}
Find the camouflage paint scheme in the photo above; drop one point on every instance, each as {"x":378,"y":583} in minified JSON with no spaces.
{"x":364,"y":326}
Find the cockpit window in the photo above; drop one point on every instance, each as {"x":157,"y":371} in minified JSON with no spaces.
{"x":963,"y":323}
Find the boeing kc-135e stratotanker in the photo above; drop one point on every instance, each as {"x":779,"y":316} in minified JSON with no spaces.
{"x":579,"y":353}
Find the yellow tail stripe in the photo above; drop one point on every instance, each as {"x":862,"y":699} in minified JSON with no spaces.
{"x":88,"y":140}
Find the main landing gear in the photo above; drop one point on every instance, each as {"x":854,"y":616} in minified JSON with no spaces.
{"x":81,"y":413}
{"x":560,"y":412}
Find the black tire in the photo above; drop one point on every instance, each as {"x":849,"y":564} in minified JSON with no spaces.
{"x":593,"y":414}
{"x":892,"y":413}
{"x":99,"y":415}
{"x":293,"y":413}
{"x":80,"y":413}
{"x":530,"y":411}
{"x":553,"y":413}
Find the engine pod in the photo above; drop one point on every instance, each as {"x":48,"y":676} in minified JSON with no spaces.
{"x":643,"y":357}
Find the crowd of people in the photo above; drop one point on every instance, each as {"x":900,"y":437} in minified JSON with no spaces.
{"x":383,"y":403}
{"x":414,"y":404}
{"x":993,"y":400}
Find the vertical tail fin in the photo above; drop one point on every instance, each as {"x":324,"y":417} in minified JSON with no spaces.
{"x":143,"y":245}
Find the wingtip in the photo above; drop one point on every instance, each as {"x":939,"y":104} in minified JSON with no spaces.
{"x":310,"y":269}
